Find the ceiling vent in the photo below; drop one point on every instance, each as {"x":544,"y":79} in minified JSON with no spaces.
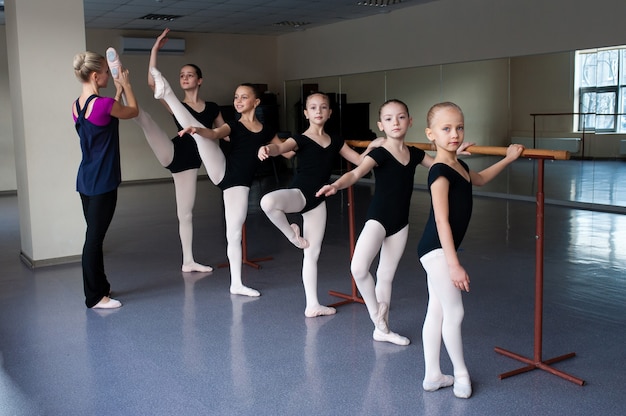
{"x":162,"y":17}
{"x":379,"y":3}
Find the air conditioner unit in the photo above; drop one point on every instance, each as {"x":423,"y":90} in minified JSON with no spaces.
{"x":144,"y":45}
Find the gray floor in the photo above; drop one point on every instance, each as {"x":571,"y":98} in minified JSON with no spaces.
{"x":182,"y":345}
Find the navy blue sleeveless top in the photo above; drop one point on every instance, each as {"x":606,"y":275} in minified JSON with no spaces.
{"x":99,"y":171}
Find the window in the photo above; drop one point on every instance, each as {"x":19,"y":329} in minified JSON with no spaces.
{"x":601,"y":90}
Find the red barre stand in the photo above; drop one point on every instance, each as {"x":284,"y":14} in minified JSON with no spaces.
{"x":354,"y":296}
{"x":244,"y":253}
{"x":537,"y":362}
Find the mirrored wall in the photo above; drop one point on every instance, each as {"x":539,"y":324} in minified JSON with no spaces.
{"x":524,"y":99}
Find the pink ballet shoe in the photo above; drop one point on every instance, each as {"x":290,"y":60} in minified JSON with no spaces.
{"x":299,"y":241}
{"x":444,"y":381}
{"x":115,"y":65}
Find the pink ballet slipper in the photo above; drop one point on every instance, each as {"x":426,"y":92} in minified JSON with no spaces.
{"x":115,"y":65}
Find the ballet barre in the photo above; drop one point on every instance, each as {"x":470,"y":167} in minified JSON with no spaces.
{"x":537,"y":361}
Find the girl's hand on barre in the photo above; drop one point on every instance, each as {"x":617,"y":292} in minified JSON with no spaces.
{"x":514,"y":151}
{"x":461,"y":150}
{"x":326,"y":190}
{"x":377,"y":142}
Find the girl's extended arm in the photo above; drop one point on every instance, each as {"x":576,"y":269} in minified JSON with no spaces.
{"x":354,"y":157}
{"x":277,"y":148}
{"x":348,"y":178}
{"x":158,"y":44}
{"x":484,"y":176}
{"x":289,"y":153}
{"x":439,"y":193}
{"x":213,"y":134}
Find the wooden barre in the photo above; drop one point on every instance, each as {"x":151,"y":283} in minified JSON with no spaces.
{"x":484,"y":150}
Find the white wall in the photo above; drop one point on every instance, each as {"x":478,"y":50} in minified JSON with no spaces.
{"x":449,"y":31}
{"x":8,"y":180}
{"x":443,"y":31}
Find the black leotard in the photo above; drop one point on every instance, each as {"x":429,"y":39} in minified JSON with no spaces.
{"x":315,"y":164}
{"x":242,"y":161}
{"x":393,"y":189}
{"x":459,"y":206}
{"x":186,"y":154}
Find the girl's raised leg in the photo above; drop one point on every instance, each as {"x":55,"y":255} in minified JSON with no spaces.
{"x":275,"y":204}
{"x":156,"y":137}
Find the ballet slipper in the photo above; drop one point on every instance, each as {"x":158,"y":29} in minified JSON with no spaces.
{"x":462,"y":387}
{"x":298,"y":241}
{"x":390,"y":337}
{"x":109,"y":303}
{"x":444,"y":381}
{"x":319,"y":310}
{"x":161,"y":86}
{"x":381,"y":318}
{"x":115,"y":65}
{"x":196,"y":267}
{"x":244,"y":291}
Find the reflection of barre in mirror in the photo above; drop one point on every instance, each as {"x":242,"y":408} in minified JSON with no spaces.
{"x":536,"y":362}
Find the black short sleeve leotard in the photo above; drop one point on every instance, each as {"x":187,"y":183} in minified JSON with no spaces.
{"x":186,"y":154}
{"x":242,"y":161}
{"x":459,"y":206}
{"x":393,"y":189}
{"x":315,"y":164}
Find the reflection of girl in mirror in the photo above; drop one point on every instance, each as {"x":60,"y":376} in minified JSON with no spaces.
{"x":450,"y":184}
{"x":99,"y":175}
{"x":232,"y":174}
{"x":316,"y":151}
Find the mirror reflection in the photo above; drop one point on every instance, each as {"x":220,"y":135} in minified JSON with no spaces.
{"x":557,"y":101}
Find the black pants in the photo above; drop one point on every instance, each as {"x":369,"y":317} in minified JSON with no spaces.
{"x":98,"y":211}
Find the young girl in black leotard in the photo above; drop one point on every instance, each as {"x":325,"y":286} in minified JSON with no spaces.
{"x":180,"y":154}
{"x":316,"y":151}
{"x":234,"y":174}
{"x":386,"y":229}
{"x":450,"y":184}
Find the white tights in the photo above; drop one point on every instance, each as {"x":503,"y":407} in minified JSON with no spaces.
{"x":443,"y":318}
{"x":184,"y":183}
{"x":235,"y":210}
{"x":283,"y":201}
{"x":370,"y":241}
